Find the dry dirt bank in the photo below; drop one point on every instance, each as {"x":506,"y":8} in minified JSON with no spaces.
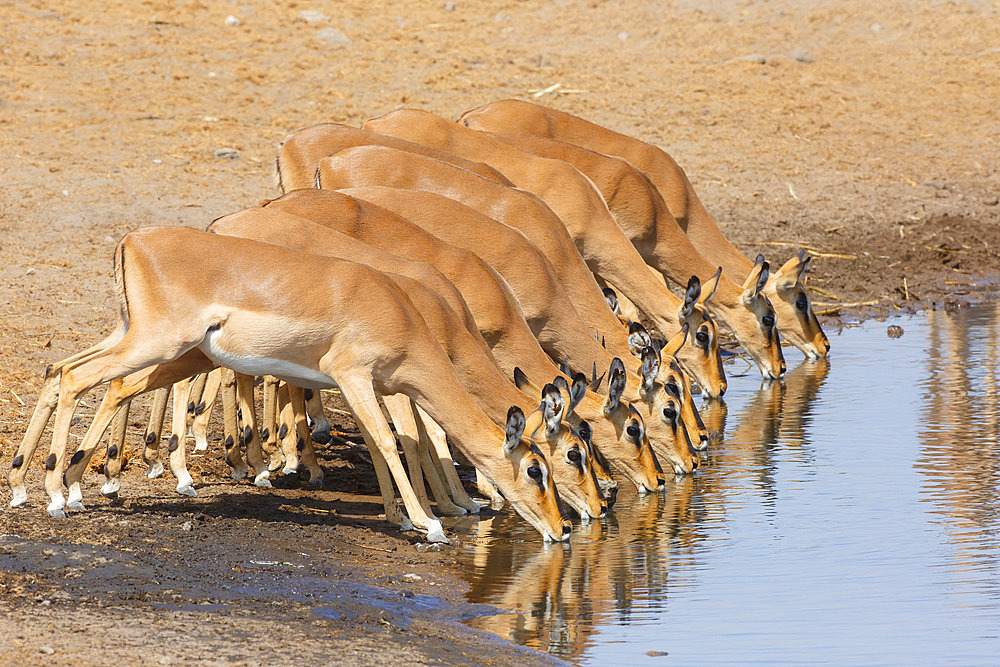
{"x":864,"y":130}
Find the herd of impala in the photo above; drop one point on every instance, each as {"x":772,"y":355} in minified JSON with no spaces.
{"x":485,"y":278}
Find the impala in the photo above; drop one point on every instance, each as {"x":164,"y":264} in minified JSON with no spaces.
{"x":185,"y":307}
{"x":796,"y":320}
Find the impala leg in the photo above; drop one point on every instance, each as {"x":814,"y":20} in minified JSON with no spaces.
{"x":151,"y":441}
{"x":287,"y":435}
{"x":399,"y":411}
{"x":303,"y":437}
{"x":488,"y":490}
{"x":231,"y":425}
{"x":115,"y":405}
{"x":321,"y":425}
{"x":175,"y":445}
{"x":442,"y":455}
{"x":116,"y":452}
{"x":199,"y":426}
{"x":48,"y":397}
{"x":360,"y":397}
{"x":255,"y":454}
{"x":126,"y":356}
{"x":415,"y":445}
{"x":269,"y":422}
{"x":195,"y":404}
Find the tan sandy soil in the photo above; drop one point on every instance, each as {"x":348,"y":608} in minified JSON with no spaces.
{"x":864,"y":130}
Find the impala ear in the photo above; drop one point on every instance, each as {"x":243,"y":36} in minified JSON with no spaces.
{"x":677,"y":342}
{"x":515,"y":429}
{"x":790,"y":273}
{"x":756,"y":280}
{"x":577,"y":391}
{"x":690,"y":298}
{"x":616,"y":386}
{"x":596,"y":381}
{"x":553,"y":406}
{"x":520,"y":379}
{"x":612,"y":298}
{"x":638,"y":339}
{"x":709,"y":286}
{"x":584,"y":432}
{"x":564,"y":366}
{"x":650,"y":368}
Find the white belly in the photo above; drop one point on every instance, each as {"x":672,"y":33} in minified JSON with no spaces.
{"x":289,"y":371}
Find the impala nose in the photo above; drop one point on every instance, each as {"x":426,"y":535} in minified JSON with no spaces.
{"x":722,"y":391}
{"x":826,"y":342}
{"x":567,"y":528}
{"x":660,"y":482}
{"x":604,"y":510}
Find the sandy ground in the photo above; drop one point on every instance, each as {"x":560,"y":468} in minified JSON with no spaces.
{"x":865,"y":131}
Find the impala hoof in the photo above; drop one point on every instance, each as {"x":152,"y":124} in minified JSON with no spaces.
{"x":55,"y":509}
{"x":75,"y":505}
{"x":316,"y":481}
{"x":240,"y":473}
{"x":20,"y":497}
{"x":437,"y":535}
{"x":111,"y":488}
{"x":155,"y":470}
{"x":289,"y":471}
{"x":451,"y":510}
{"x":200,"y":445}
{"x":187,"y":490}
{"x":262,"y":480}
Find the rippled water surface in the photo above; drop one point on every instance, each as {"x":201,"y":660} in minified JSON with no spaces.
{"x":851,"y":515}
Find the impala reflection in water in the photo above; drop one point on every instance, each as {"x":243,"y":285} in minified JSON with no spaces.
{"x":850,"y":515}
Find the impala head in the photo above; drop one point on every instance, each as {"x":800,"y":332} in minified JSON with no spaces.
{"x":573,"y":394}
{"x":796,"y":320}
{"x":529,"y":486}
{"x":701,"y":357}
{"x":626,"y":443}
{"x":571,"y":465}
{"x":763,"y":343}
{"x":664,"y":414}
{"x":677,"y":383}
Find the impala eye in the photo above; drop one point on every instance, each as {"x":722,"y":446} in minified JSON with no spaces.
{"x":574,"y":455}
{"x":535,"y":473}
{"x":768,"y":320}
{"x":633,"y":430}
{"x":673,"y":389}
{"x":802,"y":303}
{"x":702,"y":338}
{"x":670,"y":413}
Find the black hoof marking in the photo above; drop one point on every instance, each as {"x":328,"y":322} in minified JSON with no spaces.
{"x":265,"y":433}
{"x":172,"y":443}
{"x":308,"y":394}
{"x":198,"y":409}
{"x":50,"y":463}
{"x":247,"y":435}
{"x":229,"y":443}
{"x":283,"y":431}
{"x":150,"y":439}
{"x":239,"y":413}
{"x":77,"y":457}
{"x":300,"y":445}
{"x":190,"y":406}
{"x":112,"y":451}
{"x":17,"y":462}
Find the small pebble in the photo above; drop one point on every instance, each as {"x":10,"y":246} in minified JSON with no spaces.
{"x":894,"y":331}
{"x":227,"y":153}
{"x":187,"y":526}
{"x":232,"y":21}
{"x":310,"y":16}
{"x":423,"y":547}
{"x":157,"y":161}
{"x":406,"y":594}
{"x":65,"y":193}
{"x":29,"y":272}
{"x":656,"y":654}
{"x":47,"y":650}
{"x":412,"y":577}
{"x":333,"y":37}
{"x":753,"y":57}
{"x":623,"y":36}
{"x":449,"y":6}
{"x":801,"y":55}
